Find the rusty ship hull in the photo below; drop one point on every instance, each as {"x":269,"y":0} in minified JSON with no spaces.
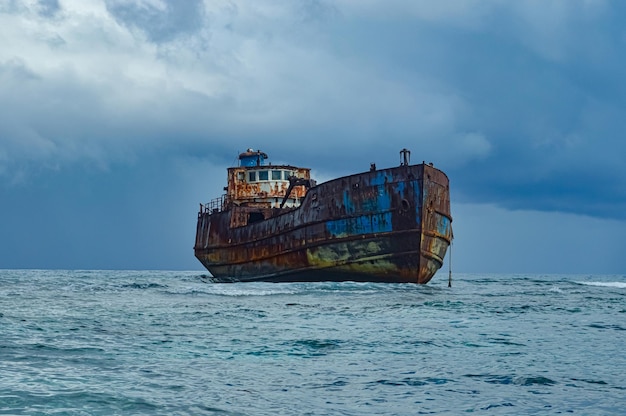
{"x":389,"y":225}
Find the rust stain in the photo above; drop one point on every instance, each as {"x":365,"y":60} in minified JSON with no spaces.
{"x":386,"y":225}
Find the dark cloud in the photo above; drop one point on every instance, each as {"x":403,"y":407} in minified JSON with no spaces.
{"x":317,"y":11}
{"x":162,"y":21}
{"x":15,"y":70}
{"x":129,"y":216}
{"x":44,"y":8}
{"x":49,"y":8}
{"x":10,"y":6}
{"x":521,"y":103}
{"x":549,"y":111}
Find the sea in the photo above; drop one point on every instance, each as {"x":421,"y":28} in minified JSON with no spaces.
{"x":92,"y":342}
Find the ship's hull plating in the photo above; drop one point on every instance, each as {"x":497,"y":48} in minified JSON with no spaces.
{"x":389,"y":225}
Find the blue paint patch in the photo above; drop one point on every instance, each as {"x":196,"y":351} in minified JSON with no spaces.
{"x":400,"y":188}
{"x":365,"y":224}
{"x":443,"y":225}
{"x":347,"y":203}
{"x":377,"y":200}
{"x":372,"y":199}
{"x":380,"y":178}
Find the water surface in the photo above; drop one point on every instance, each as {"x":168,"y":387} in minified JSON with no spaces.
{"x":159,"y":342}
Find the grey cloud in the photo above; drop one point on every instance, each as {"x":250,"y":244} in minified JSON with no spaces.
{"x":161,"y":24}
{"x":317,"y":10}
{"x":320,"y":86}
{"x":16,"y":70}
{"x":49,"y":8}
{"x":96,"y":121}
{"x":10,"y":6}
{"x":44,"y":8}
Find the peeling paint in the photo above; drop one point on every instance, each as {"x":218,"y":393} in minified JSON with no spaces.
{"x":387,"y":225}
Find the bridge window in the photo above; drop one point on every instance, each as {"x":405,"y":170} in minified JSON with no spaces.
{"x":251,"y":176}
{"x":263,"y":175}
{"x":276,"y":175}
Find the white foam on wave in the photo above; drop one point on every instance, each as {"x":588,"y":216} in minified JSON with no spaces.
{"x":293,"y":288}
{"x":621,"y":285}
{"x":234,"y":290}
{"x":233,"y":293}
{"x":244,"y":292}
{"x":249,"y":289}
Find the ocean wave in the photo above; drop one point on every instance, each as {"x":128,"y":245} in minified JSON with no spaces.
{"x":309,"y":288}
{"x":230,"y":289}
{"x":249,"y":292}
{"x":621,"y":285}
{"x":162,"y":343}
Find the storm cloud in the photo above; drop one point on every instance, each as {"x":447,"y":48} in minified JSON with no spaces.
{"x":523,"y":104}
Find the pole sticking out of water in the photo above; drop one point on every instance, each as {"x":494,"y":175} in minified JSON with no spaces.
{"x":450,"y":266}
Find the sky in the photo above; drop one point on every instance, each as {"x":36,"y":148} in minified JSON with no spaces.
{"x":118,"y":117}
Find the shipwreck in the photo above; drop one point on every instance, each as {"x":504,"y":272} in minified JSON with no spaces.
{"x":277,"y":224}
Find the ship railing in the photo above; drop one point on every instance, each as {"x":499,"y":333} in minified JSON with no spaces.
{"x":213,"y":206}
